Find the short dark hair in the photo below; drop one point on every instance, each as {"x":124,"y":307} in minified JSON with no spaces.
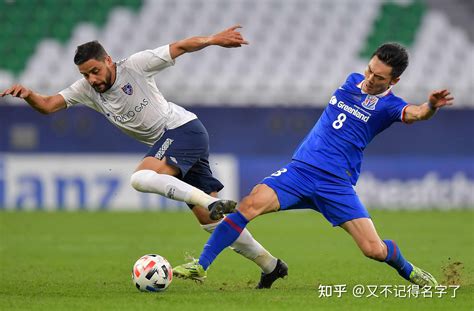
{"x":393,"y":55}
{"x":89,"y":50}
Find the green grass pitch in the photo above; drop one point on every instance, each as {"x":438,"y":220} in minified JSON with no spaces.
{"x":83,"y":261}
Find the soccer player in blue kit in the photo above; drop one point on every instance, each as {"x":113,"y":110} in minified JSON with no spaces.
{"x":327,"y":163}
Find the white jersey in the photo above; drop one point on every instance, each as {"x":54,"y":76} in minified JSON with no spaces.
{"x":133,"y":103}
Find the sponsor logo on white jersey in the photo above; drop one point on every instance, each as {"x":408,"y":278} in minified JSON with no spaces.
{"x":129,"y":115}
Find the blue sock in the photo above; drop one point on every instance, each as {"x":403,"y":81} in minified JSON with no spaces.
{"x":224,"y":235}
{"x":396,"y":260}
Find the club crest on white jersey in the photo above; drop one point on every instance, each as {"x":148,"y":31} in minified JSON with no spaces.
{"x":127,"y":89}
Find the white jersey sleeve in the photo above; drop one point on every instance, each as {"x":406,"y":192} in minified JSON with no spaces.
{"x":133,"y":103}
{"x":77,"y":93}
{"x":150,"y":62}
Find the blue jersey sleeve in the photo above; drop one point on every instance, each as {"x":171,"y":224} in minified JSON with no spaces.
{"x":396,"y":109}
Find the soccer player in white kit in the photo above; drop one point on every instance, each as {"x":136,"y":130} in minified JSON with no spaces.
{"x":176,"y":165}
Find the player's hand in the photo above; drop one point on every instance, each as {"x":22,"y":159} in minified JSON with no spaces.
{"x":229,"y":38}
{"x":17,"y":90}
{"x":440,"y":98}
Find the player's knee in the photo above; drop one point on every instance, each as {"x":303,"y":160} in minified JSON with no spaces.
{"x":246,"y":204}
{"x":138,"y":179}
{"x":250,"y":207}
{"x":373,"y":251}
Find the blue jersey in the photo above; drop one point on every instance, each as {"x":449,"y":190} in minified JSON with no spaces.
{"x":349,"y":122}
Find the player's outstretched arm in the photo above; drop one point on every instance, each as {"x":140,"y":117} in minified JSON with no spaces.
{"x":436,"y":100}
{"x":43,"y":104}
{"x":229,"y":38}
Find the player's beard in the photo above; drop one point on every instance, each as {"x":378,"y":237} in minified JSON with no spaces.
{"x":107,"y":84}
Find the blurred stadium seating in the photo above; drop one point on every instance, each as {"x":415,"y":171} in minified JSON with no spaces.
{"x":299,"y":51}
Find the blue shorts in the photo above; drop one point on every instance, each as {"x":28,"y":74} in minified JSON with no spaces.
{"x":301,"y":186}
{"x":187,"y":148}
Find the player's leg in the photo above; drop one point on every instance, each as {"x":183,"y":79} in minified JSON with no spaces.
{"x":177,"y":167}
{"x":261,"y":200}
{"x":339,"y":203}
{"x":251,"y":207}
{"x":245,"y":244}
{"x":287,"y":188}
{"x":146,"y":179}
{"x":200,"y":176}
{"x":169,"y":159}
{"x":365,"y":235}
{"x":157,"y":176}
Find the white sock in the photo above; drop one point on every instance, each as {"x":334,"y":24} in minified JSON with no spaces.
{"x":170,"y":187}
{"x":248,"y":247}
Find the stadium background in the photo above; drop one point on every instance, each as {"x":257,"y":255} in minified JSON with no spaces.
{"x":257,"y":102}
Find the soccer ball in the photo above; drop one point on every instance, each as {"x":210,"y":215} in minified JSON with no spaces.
{"x":152,"y":273}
